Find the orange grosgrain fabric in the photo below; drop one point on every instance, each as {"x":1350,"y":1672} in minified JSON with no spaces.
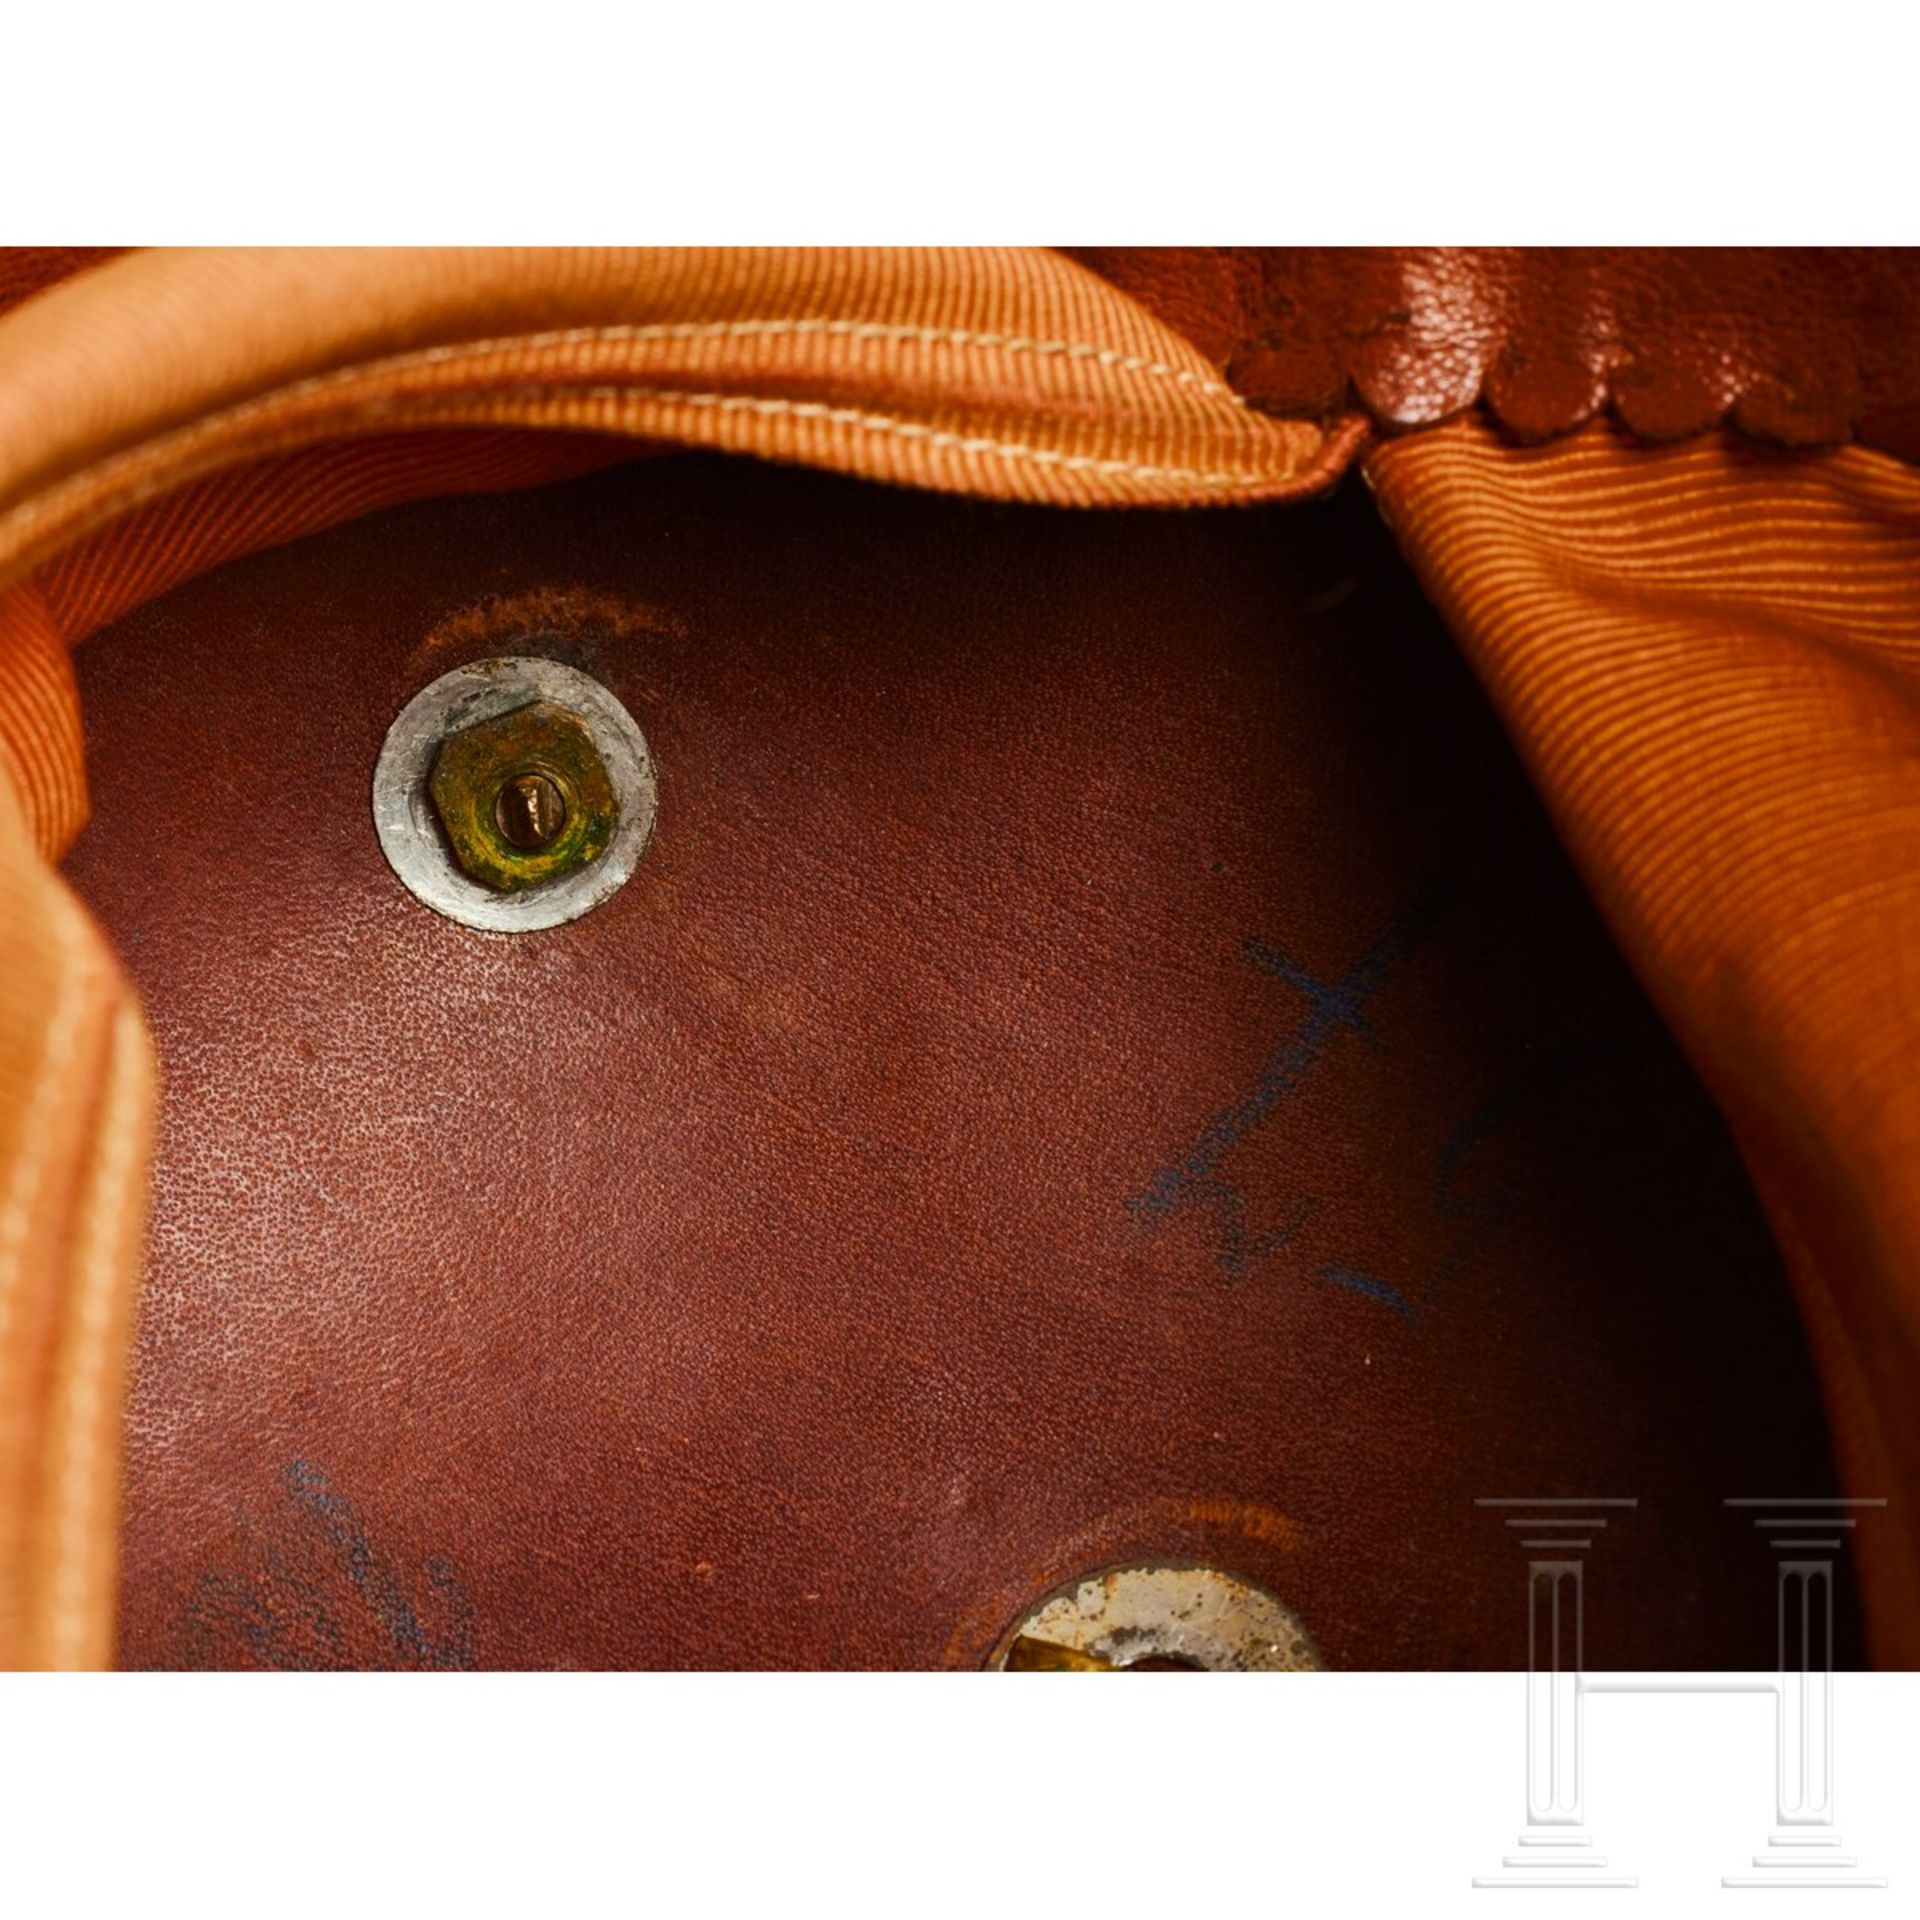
{"x":163,"y":411}
{"x":1709,"y":656}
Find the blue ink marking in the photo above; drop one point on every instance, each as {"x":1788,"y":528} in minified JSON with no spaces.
{"x":313,"y":1494}
{"x":276,"y":1605}
{"x":1331,"y":1009}
{"x":1339,"y":1004}
{"x":1372,"y":1288}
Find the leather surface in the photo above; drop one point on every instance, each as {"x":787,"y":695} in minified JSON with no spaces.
{"x":25,"y":271}
{"x":1104,"y":1057}
{"x":1796,"y":345}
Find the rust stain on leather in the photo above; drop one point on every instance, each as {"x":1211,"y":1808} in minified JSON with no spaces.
{"x":586,"y":616}
{"x":1242,"y":1517}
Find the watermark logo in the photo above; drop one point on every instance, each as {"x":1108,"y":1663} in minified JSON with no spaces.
{"x":1803,"y":1844}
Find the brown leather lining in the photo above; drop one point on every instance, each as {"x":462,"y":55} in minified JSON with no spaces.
{"x":1102,"y":1060}
{"x":1799,"y":346}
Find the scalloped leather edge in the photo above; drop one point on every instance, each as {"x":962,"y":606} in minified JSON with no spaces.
{"x":1788,"y":346}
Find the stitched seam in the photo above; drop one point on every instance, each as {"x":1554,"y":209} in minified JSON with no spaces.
{"x":917,"y":430}
{"x":30,"y":1168}
{"x":839,"y":329}
{"x":92,"y":1327}
{"x":405,"y":408}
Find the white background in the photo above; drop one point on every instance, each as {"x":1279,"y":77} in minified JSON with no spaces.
{"x":892,"y":1795}
{"x":1436,"y":121}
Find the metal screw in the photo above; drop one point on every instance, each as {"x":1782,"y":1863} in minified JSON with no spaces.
{"x":523,"y":797}
{"x":462,"y":743}
{"x":530,"y":810}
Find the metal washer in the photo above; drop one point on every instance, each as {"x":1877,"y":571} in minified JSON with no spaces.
{"x":1170,"y":1610}
{"x":410,"y":835}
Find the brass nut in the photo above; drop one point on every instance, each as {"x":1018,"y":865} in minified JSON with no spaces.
{"x":524,"y":797}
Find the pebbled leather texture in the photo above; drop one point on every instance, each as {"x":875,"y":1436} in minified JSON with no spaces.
{"x":1800,"y":346}
{"x":1103,"y":1058}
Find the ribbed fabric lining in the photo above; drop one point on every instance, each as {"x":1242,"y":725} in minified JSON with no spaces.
{"x":1710,"y":658}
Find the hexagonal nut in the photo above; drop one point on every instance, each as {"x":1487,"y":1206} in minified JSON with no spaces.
{"x":474,"y":766}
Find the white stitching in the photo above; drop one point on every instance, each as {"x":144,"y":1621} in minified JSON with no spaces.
{"x":17,"y":522}
{"x":848,"y":330}
{"x":92,"y":1324}
{"x":916,"y":430}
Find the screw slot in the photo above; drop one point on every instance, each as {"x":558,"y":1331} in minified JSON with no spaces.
{"x":523,"y":796}
{"x":530,"y":811}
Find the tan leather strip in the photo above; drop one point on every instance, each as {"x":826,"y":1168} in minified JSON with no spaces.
{"x":75,"y":1107}
{"x":1710,"y":657}
{"x":75,"y":1556}
{"x":26,"y":271}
